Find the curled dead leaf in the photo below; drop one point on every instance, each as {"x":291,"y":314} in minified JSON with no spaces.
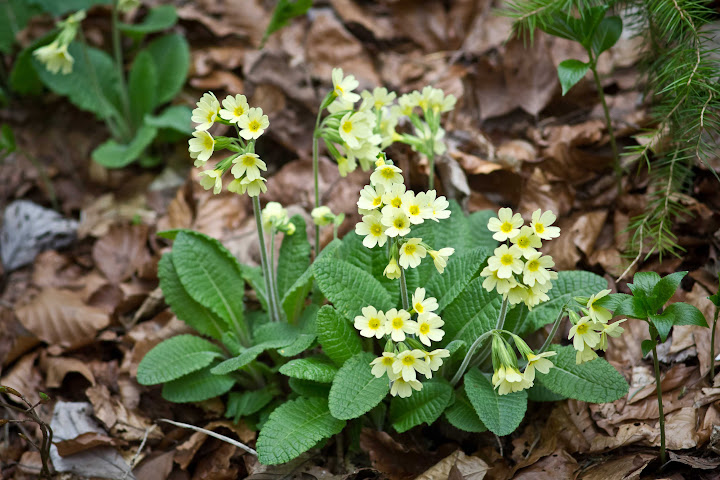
{"x":468,"y":468}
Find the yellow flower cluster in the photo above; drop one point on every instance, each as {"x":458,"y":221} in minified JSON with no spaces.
{"x":507,"y":377}
{"x":55,"y":55}
{"x":591,"y":331}
{"x":400,"y":362}
{"x":389,"y":211}
{"x":245,"y":165}
{"x":517,"y":270}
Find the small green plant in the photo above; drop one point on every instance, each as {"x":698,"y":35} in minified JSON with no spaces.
{"x":33,"y":417}
{"x":429,"y":283}
{"x":650,"y":293}
{"x":133,"y":106}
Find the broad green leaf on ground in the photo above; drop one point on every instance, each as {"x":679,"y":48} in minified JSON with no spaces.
{"x":350,"y":288}
{"x":474,"y":312}
{"x":458,"y":273}
{"x":243,"y":404}
{"x":56,"y":8}
{"x":372,"y":260}
{"x":295,"y":427}
{"x":14,"y":16}
{"x":595,"y":381}
{"x":159,"y":18}
{"x":174,"y":117}
{"x":355,"y":390}
{"x":571,"y":72}
{"x":211,"y":275}
{"x":307,"y":333}
{"x":480,"y":236}
{"x":317,"y":369}
{"x":336,"y":335}
{"x":239,"y":361}
{"x":294,"y":257}
{"x":424,"y":406}
{"x":183,"y":305}
{"x":142,"y":84}
{"x":175,"y":357}
{"x":501,"y":414}
{"x":538,"y":393}
{"x":172,"y":60}
{"x":197,"y":387}
{"x":308,"y":388}
{"x":462,"y":415}
{"x":679,"y":313}
{"x":254,"y":277}
{"x":112,"y":154}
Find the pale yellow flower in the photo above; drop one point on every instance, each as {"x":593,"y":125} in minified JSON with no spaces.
{"x":253,"y":123}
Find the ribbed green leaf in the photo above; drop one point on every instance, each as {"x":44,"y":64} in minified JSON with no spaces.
{"x":142,"y":84}
{"x":474,"y":312}
{"x":246,"y":403}
{"x":308,"y":388}
{"x":112,"y":154}
{"x":175,"y":357}
{"x":294,"y":257}
{"x":538,"y":393}
{"x":57,"y":9}
{"x":462,"y":415}
{"x":159,"y":18}
{"x":174,"y":117}
{"x":307,"y":333}
{"x":254,"y":277}
{"x":317,"y":369}
{"x":350,"y":288}
{"x":458,"y":273}
{"x":294,"y":428}
{"x":238,"y":362}
{"x":424,"y":406}
{"x":337,"y":336}
{"x":372,"y":260}
{"x":355,"y":390}
{"x":183,"y":305}
{"x":211,"y":275}
{"x":595,"y":381}
{"x":197,"y":387}
{"x":479,"y":233}
{"x":172,"y":60}
{"x":501,"y":414}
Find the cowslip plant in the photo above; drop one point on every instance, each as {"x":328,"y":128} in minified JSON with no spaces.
{"x":97,"y":82}
{"x":650,"y":293}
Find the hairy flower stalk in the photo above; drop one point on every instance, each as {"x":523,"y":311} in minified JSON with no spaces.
{"x":266,"y":267}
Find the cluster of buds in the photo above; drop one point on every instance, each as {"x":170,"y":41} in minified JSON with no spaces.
{"x":517,"y":270}
{"x":591,"y":331}
{"x":244,"y":164}
{"x":507,"y":377}
{"x":55,"y":55}
{"x":357,"y":134}
{"x":405,"y":357}
{"x":389,"y":211}
{"x":275,"y":219}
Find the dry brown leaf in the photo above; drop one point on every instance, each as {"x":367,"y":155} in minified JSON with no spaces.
{"x":701,"y":335}
{"x":540,"y":192}
{"x":468,"y":468}
{"x":117,"y":419}
{"x":488,"y":31}
{"x":24,"y":378}
{"x":84,"y":441}
{"x":60,"y":317}
{"x":678,"y":375}
{"x":219,"y":464}
{"x":56,"y":368}
{"x":354,"y":13}
{"x":392,"y":458}
{"x":222,"y":18}
{"x":628,"y":467}
{"x":108,"y":210}
{"x":155,"y":467}
{"x":219,"y":80}
{"x":557,"y":465}
{"x":423,"y":22}
{"x":15,"y":340}
{"x":121,"y":252}
{"x":185,"y":452}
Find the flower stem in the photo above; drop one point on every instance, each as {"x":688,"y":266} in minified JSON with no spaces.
{"x":431,"y":163}
{"x":316,"y":176}
{"x":712,"y":346}
{"x":403,"y":290}
{"x":266,"y":269}
{"x":476,"y":344}
{"x":119,"y":64}
{"x":553,"y":331}
{"x":660,"y":403}
{"x":608,"y":121}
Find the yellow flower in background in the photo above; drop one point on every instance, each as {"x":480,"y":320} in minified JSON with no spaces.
{"x":409,"y":362}
{"x":392,"y":271}
{"x":412,"y":253}
{"x":234,"y":108}
{"x":343,"y":86}
{"x":372,"y":229}
{"x":322,"y":216}
{"x":386,"y":176}
{"x":371,"y":323}
{"x":538,"y":362}
{"x":249,"y":165}
{"x":274,"y":215}
{"x":206,"y":112}
{"x":398,"y":324}
{"x":55,"y":57}
{"x":354,"y":127}
{"x":430,"y":328}
{"x":596,"y":312}
{"x":421,"y":304}
{"x":506,"y":225}
{"x":253,"y":123}
{"x":379,"y":97}
{"x":506,"y":261}
{"x":541,"y":225}
{"x":397,"y":222}
{"x":211,"y":179}
{"x":584,"y":334}
{"x":440,"y":257}
{"x":201,"y":147}
{"x":252,"y":187}
{"x":526,"y":241}
{"x":383,"y":365}
{"x":401,"y":388}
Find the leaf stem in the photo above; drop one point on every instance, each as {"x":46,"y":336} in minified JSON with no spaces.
{"x":712,"y":346}
{"x":267,"y":272}
{"x":660,"y":402}
{"x":403,"y":290}
{"x":553,"y":331}
{"x":608,"y":121}
{"x":117,"y":52}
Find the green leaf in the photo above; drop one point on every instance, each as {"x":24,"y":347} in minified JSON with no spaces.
{"x":571,"y":72}
{"x":317,"y":369}
{"x":294,"y":257}
{"x":595,"y":381}
{"x":7,"y":140}
{"x":159,"y":18}
{"x":538,"y":393}
{"x":142,"y":84}
{"x":372,"y":260}
{"x":183,"y":305}
{"x":590,"y":19}
{"x":350,"y":288}
{"x":211,"y":275}
{"x":679,"y":313}
{"x":337,"y":336}
{"x":56,"y":8}
{"x":307,"y":333}
{"x":479,"y":233}
{"x":644,"y":283}
{"x":474,"y":312}
{"x":112,"y":154}
{"x":92,"y":85}
{"x":246,"y":403}
{"x":501,"y":414}
{"x":23,"y":77}
{"x":462,"y":415}
{"x":565,"y":26}
{"x":240,"y":361}
{"x":14,"y":16}
{"x":295,"y":427}
{"x":632,"y":306}
{"x":172,"y":60}
{"x":176,"y":357}
{"x":458,"y":273}
{"x":424,"y":406}
{"x":285,"y":10}
{"x":647,"y":346}
{"x":254,"y":277}
{"x":664,"y":289}
{"x":174,"y":117}
{"x":197,"y":387}
{"x":308,"y":388}
{"x":355,"y":390}
{"x":607,"y":34}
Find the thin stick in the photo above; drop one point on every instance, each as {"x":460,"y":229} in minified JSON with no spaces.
{"x":212,"y":434}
